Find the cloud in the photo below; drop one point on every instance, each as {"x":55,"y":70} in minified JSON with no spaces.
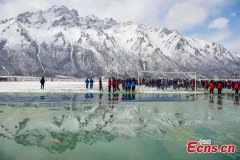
{"x":12,"y":8}
{"x":218,"y":37}
{"x":233,"y":14}
{"x":219,"y":23}
{"x":233,"y":44}
{"x":144,"y":11}
{"x":140,"y":11}
{"x":223,"y":37}
{"x":184,"y":16}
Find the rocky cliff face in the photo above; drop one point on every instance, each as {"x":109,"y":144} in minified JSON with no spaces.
{"x":58,"y":41}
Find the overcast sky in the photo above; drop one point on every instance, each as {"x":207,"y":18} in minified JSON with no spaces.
{"x":211,"y":20}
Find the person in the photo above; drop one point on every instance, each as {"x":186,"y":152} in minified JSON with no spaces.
{"x":126,"y":85}
{"x":211,"y":87}
{"x":91,"y":84}
{"x":117,"y":85}
{"x":109,"y":85}
{"x":100,"y":84}
{"x":236,"y":87}
{"x":219,"y":87}
{"x":174,"y":84}
{"x":193,"y":84}
{"x":133,"y":85}
{"x":123,"y":84}
{"x":205,"y":85}
{"x":42,"y":81}
{"x":87,"y":83}
{"x":163,"y":84}
{"x":228,"y":85}
{"x":178,"y":84}
{"x":232,"y":85}
{"x":187,"y":84}
{"x":158,"y":84}
{"x":113,"y":84}
{"x":129,"y":85}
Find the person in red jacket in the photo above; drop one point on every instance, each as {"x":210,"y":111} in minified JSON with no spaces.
{"x":219,"y":87}
{"x":206,"y":85}
{"x":228,"y":85}
{"x":192,"y":84}
{"x":123,"y":84}
{"x":211,"y":87}
{"x":236,"y":87}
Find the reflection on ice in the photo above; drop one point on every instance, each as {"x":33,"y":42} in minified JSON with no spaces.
{"x":89,"y":118}
{"x":87,"y":97}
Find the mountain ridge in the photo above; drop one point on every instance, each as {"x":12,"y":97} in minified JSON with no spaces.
{"x":58,"y":41}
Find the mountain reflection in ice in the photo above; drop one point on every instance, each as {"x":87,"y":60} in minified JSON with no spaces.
{"x":59,"y":122}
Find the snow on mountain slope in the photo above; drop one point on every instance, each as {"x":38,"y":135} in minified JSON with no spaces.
{"x":58,"y":41}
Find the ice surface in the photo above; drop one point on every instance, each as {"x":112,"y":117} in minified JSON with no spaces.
{"x":71,"y":87}
{"x":74,"y":87}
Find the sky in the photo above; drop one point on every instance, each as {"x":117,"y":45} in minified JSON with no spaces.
{"x":211,"y":20}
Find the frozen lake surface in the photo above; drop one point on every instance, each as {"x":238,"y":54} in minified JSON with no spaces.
{"x":74,"y":87}
{"x":93,"y":126}
{"x":71,"y":87}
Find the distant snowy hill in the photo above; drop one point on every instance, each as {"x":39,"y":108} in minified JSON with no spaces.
{"x":58,"y":41}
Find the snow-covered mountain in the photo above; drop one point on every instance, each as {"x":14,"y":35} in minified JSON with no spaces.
{"x":58,"y":41}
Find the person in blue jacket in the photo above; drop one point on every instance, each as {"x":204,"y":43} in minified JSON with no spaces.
{"x":129,"y":85}
{"x":126,"y":87}
{"x":133,"y":84}
{"x":91,"y":84}
{"x":87,"y":83}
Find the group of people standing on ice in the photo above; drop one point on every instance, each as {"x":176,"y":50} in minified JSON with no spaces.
{"x":113,"y":84}
{"x":87,"y":82}
{"x":130,"y":84}
{"x":219,"y":85}
{"x":91,"y":82}
{"x":178,"y":84}
{"x":164,"y":84}
{"x":127,"y":85}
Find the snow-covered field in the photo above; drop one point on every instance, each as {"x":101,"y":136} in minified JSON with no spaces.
{"x":68,"y":87}
{"x":73,"y":87}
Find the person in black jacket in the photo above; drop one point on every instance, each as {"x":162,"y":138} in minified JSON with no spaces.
{"x":42,"y":81}
{"x":109,"y":85}
{"x":100,"y":84}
